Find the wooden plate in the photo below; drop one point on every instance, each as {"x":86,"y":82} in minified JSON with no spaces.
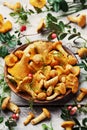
{"x":26,"y":96}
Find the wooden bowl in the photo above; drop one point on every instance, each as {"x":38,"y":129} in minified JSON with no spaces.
{"x":60,"y":99}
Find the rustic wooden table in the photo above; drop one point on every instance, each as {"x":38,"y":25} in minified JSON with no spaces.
{"x":54,"y":108}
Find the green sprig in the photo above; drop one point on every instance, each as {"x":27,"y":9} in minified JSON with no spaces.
{"x":22,"y":16}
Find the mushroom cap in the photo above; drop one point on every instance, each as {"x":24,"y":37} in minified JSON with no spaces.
{"x":82,"y":20}
{"x":83,"y":90}
{"x":82,"y":52}
{"x":46,"y":112}
{"x":5,"y":102}
{"x":68,"y":124}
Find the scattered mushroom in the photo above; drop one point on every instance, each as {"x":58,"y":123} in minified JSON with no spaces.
{"x":68,"y":125}
{"x":5,"y":27}
{"x":29,"y":118}
{"x":9,"y":105}
{"x":82,"y":94}
{"x":41,"y":26}
{"x":80,"y":20}
{"x":1,"y":20}
{"x":15,"y":7}
{"x":45,"y":114}
{"x":82,"y":52}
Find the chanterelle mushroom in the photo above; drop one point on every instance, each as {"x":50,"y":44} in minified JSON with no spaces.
{"x":29,"y":118}
{"x":42,"y":116}
{"x":24,"y":85}
{"x":58,"y":46}
{"x":82,"y":94}
{"x":15,"y":7}
{"x":20,"y":70}
{"x":82,"y":52}
{"x":9,"y":105}
{"x":68,"y":125}
{"x":80,"y":20}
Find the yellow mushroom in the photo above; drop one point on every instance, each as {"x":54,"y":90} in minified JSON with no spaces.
{"x":49,"y":90}
{"x":72,"y":69}
{"x":10,"y":60}
{"x":59,"y":47}
{"x":10,"y":105}
{"x":45,"y":114}
{"x":29,"y":118}
{"x":59,"y":89}
{"x":83,"y":93}
{"x":41,"y":25}
{"x":20,"y":70}
{"x":72,"y":85}
{"x":80,"y":20}
{"x":6,"y":26}
{"x":51,"y":82}
{"x":41,"y":96}
{"x":19,"y":54}
{"x":16,"y":7}
{"x":72,"y":60}
{"x":24,"y":85}
{"x":38,"y":3}
{"x":1,"y":20}
{"x":68,"y":125}
{"x":82,"y":52}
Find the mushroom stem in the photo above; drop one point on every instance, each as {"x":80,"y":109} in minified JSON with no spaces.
{"x":8,"y":5}
{"x":13,"y":107}
{"x":29,"y":117}
{"x":9,"y":105}
{"x":42,"y":116}
{"x":82,"y":94}
{"x":52,"y":96}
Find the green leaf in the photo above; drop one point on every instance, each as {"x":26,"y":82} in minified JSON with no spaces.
{"x":3,"y":51}
{"x":64,"y":6}
{"x":74,"y":30}
{"x":1,"y":119}
{"x":61,"y":24}
{"x":10,"y":123}
{"x":12,"y":14}
{"x":12,"y":44}
{"x":77,"y":122}
{"x":50,"y":1}
{"x":45,"y":127}
{"x":50,"y":17}
{"x":24,"y":17}
{"x":72,"y":36}
{"x":83,"y":1}
{"x":84,"y":122}
{"x":83,"y":128}
{"x":2,"y":38}
{"x":62,"y":36}
{"x":76,"y":128}
{"x":56,"y":7}
{"x":38,"y":10}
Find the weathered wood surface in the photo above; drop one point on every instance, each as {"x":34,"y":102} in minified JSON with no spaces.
{"x":54,"y":108}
